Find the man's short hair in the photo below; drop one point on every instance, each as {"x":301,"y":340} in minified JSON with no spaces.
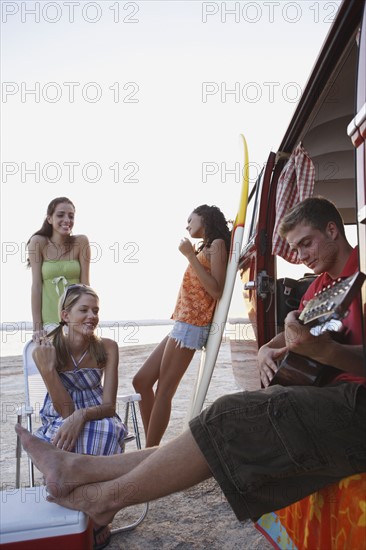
{"x":316,"y":212}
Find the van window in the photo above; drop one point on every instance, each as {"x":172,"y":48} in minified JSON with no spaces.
{"x":253,"y":210}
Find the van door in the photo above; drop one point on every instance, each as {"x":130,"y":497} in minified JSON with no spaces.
{"x":357,"y":132}
{"x":256,"y":266}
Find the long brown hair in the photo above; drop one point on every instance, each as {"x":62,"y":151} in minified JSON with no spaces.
{"x":46,"y":229}
{"x":214,"y":224}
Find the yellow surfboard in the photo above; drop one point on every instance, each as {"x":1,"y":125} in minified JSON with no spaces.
{"x":209,"y":355}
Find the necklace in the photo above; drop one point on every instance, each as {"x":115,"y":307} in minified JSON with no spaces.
{"x":77,"y":363}
{"x":61,"y":248}
{"x":57,"y":245}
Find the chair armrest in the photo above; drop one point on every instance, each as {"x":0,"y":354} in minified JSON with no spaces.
{"x":129,"y":398}
{"x":25,"y":410}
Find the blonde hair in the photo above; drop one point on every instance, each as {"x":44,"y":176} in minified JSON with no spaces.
{"x":69,"y":298}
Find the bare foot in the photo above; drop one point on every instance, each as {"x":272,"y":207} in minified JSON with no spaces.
{"x":97,"y":500}
{"x":69,"y":479}
{"x":58,"y":467}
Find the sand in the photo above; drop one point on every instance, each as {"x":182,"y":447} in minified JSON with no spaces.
{"x":198,"y":518}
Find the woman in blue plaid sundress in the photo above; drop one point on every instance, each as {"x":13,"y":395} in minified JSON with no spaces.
{"x":78,"y":413}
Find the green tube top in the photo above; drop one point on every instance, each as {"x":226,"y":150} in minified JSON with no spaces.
{"x":56,"y":275}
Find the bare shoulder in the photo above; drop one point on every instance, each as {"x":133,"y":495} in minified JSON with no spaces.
{"x":218,"y":246}
{"x":81,"y":239}
{"x":110,"y":345}
{"x":38,"y":240}
{"x":81,"y":246}
{"x":36,"y":248}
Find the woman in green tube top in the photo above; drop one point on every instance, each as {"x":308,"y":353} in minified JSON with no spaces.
{"x":57,"y":259}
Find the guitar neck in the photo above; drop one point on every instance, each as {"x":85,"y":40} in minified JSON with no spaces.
{"x":333,"y":301}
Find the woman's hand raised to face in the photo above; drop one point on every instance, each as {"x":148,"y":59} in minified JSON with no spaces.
{"x":44,"y":355}
{"x":186,"y":247}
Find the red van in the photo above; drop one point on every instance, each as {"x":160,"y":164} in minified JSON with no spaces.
{"x":330,"y":122}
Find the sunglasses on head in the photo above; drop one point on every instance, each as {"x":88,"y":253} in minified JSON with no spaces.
{"x":67,"y":292}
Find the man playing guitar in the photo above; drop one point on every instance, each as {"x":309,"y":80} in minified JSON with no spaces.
{"x":314,"y":228}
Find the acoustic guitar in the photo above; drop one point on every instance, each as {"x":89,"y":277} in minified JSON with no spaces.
{"x":323,"y":313}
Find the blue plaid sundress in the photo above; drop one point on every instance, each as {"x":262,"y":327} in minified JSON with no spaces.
{"x":98,"y":437}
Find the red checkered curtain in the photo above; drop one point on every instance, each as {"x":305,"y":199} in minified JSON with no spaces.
{"x":296,"y":183}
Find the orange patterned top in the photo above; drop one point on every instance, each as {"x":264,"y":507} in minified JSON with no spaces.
{"x":194,"y":304}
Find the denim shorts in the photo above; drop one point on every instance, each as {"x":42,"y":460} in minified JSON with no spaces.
{"x":189,"y":336}
{"x":272,"y":447}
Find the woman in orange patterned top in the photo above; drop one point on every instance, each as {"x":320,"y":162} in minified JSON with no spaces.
{"x":202,"y":286}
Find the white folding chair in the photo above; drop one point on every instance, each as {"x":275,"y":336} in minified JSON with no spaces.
{"x":35,"y":391}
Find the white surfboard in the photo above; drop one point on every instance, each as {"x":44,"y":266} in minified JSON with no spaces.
{"x":209,"y":355}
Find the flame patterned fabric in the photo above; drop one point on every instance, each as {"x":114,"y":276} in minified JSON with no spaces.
{"x":296,"y":183}
{"x":333,"y":518}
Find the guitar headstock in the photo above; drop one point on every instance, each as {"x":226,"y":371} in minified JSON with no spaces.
{"x":333,"y":301}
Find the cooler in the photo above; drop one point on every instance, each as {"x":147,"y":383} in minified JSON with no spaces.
{"x":29,"y":522}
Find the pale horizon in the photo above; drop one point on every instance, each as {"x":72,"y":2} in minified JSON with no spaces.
{"x":134,"y":111}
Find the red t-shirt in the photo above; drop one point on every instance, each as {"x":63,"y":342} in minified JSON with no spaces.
{"x":353,"y":321}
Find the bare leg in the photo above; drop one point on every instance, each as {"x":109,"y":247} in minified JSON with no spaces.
{"x":145,"y":379}
{"x":171,"y":468}
{"x":64,"y":471}
{"x":174,"y":364}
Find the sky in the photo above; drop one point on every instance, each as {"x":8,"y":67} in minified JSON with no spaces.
{"x":133,"y":110}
